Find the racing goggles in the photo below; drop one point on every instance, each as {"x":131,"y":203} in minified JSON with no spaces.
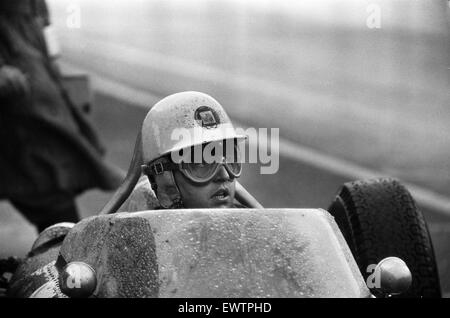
{"x":201,"y":172}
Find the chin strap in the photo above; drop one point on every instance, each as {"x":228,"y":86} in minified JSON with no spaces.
{"x":167,"y":191}
{"x":163,"y":183}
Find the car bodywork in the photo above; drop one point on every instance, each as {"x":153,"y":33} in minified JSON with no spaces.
{"x":198,"y":253}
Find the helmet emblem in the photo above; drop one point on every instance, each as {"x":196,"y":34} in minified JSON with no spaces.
{"x":206,"y":117}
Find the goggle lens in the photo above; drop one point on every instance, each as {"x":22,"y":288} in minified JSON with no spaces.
{"x":204,"y":172}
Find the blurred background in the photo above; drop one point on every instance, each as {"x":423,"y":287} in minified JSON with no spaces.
{"x":357,"y":89}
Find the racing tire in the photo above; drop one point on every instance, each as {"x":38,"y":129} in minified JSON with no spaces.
{"x":379,"y":218}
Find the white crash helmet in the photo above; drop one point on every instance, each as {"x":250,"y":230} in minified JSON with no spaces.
{"x":196,"y":116}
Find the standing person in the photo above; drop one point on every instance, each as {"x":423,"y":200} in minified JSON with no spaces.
{"x":49,"y":152}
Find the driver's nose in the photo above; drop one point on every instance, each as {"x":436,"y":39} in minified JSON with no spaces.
{"x":222,"y":175}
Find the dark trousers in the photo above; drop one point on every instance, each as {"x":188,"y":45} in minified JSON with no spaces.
{"x":46,"y":211}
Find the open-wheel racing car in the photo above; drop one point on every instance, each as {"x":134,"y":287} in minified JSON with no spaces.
{"x":371,"y":241}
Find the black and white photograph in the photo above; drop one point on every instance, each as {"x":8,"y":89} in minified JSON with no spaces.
{"x":247,"y":150}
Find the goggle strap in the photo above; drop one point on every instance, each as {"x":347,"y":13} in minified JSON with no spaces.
{"x":158,"y":168}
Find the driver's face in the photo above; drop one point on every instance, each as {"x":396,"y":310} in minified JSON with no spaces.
{"x":217,"y":193}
